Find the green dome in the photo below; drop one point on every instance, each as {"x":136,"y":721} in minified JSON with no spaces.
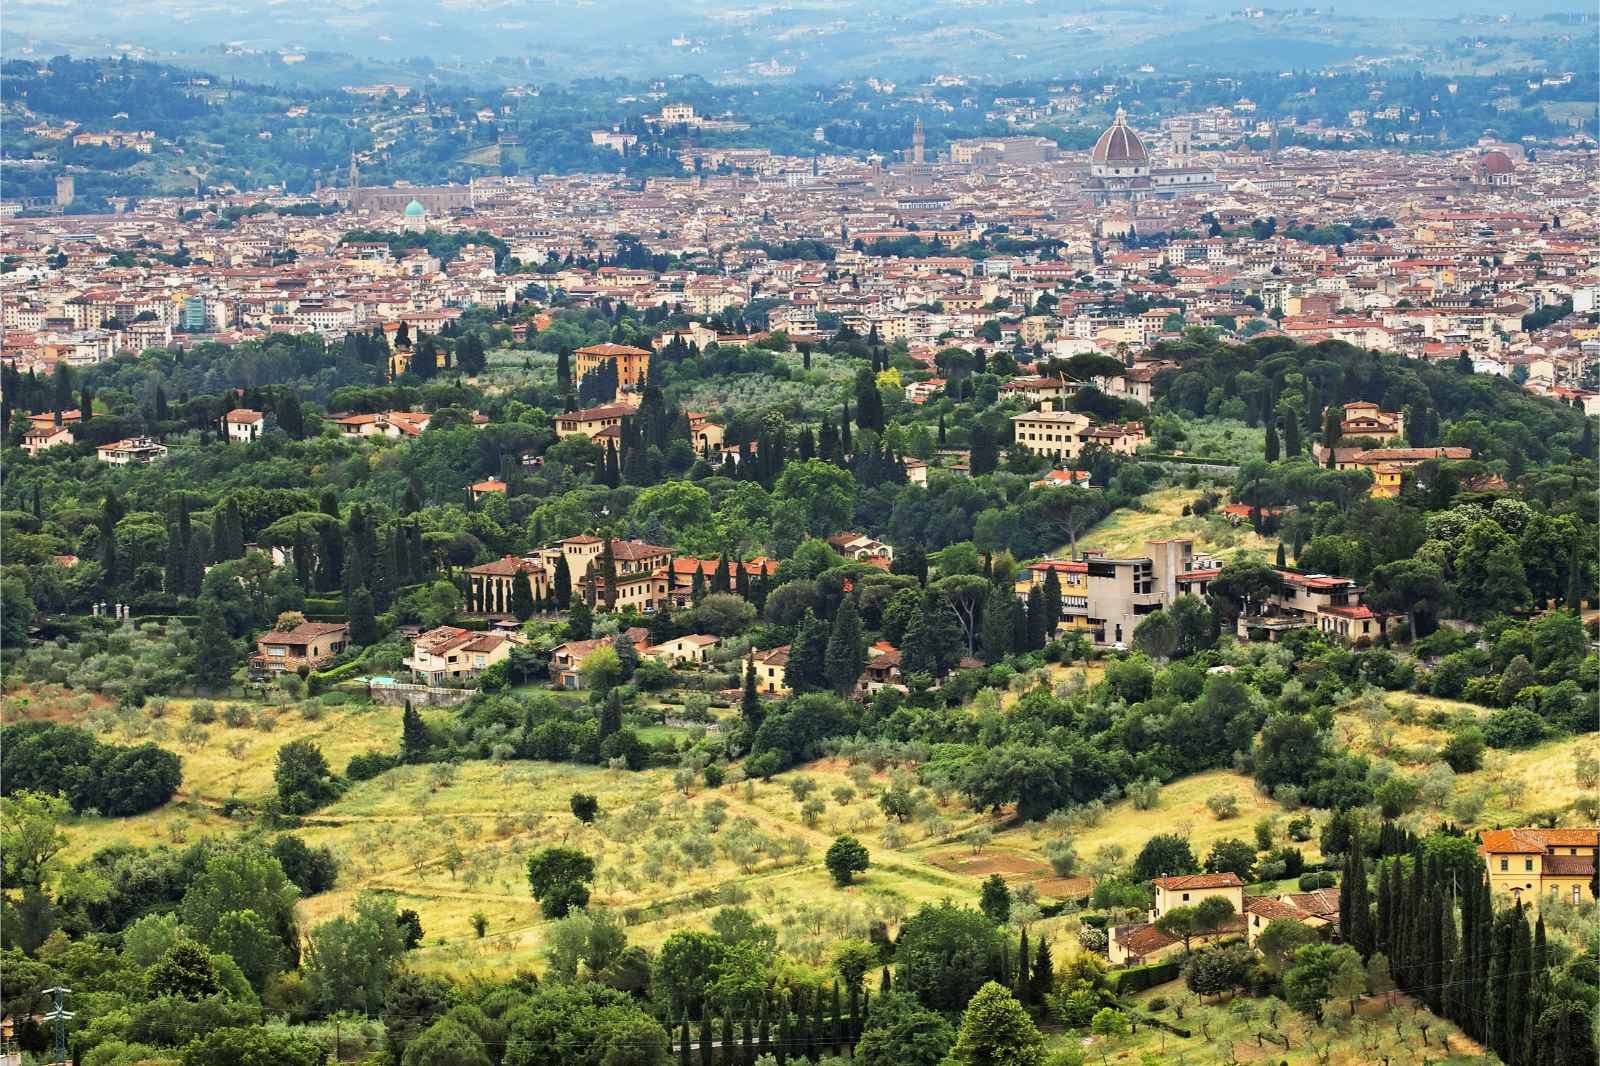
{"x":415,"y":210}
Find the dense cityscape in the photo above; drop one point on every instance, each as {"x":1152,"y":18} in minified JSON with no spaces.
{"x":1099,"y":569}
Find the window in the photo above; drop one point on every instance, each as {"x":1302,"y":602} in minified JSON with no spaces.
{"x":1577,"y":895}
{"x":1186,"y":897}
{"x":1505,"y":865}
{"x":1527,"y":865}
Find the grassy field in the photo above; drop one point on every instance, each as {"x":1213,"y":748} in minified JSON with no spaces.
{"x":453,"y":840}
{"x":1160,"y":517}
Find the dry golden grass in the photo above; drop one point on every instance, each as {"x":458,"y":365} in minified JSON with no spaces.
{"x":1161,"y":517}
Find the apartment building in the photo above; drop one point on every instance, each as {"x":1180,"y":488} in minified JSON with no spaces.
{"x":1110,"y":597}
{"x":633,"y":364}
{"x":1064,"y":434}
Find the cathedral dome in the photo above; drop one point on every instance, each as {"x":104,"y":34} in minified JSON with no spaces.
{"x":1119,"y":145}
{"x":1496,"y":163}
{"x":415,"y":209}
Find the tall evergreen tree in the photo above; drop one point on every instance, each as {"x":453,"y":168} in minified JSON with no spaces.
{"x":215,"y":654}
{"x":751,"y":712}
{"x":363,"y":618}
{"x":995,"y":633}
{"x":521,"y":597}
{"x":847,"y":648}
{"x":1044,"y":977}
{"x":807,"y":670}
{"x":1052,"y":602}
{"x":563,"y":582}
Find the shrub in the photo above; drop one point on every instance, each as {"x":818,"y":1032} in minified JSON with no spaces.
{"x":1320,"y":879}
{"x":1514,"y":727}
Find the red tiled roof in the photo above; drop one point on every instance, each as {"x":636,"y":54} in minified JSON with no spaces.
{"x":1191,"y":881}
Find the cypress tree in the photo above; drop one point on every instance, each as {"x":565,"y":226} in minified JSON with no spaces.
{"x":764,"y":1043}
{"x":1498,"y":986}
{"x":1004,"y":977}
{"x":683,"y":1043}
{"x":1023,"y":989}
{"x":1484,"y":933}
{"x":1465,"y":966}
{"x":521,"y":597}
{"x":1272,"y":444}
{"x":1450,"y":961}
{"x":1433,"y":985}
{"x":886,"y":984}
{"x":1381,"y":933}
{"x":1052,"y":602}
{"x":363,"y":619}
{"x":1044,"y":977}
{"x":855,"y":1014}
{"x":782,"y":1049}
{"x":706,"y":1050}
{"x":837,"y":1028}
{"x":819,"y":1026}
{"x":563,"y":582}
{"x":1519,"y":972}
{"x":727,"y":1038}
{"x":846,"y":655}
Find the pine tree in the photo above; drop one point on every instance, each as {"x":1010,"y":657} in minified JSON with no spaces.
{"x":846,"y":655}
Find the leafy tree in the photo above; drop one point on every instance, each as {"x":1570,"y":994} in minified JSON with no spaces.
{"x":944,"y":954}
{"x":312,"y":870}
{"x":242,"y":877}
{"x":447,"y":1042}
{"x":1220,"y":969}
{"x":352,"y":957}
{"x":1281,"y":939}
{"x":1318,"y":972}
{"x":902,"y":1032}
{"x":1164,"y":855}
{"x":584,"y":807}
{"x":30,"y":838}
{"x":559,"y":878}
{"x":846,"y":857}
{"x":303,"y":779}
{"x":1232,"y":855}
{"x":252,"y":1046}
{"x":996,"y":1031}
{"x":995,"y":899}
{"x":186,"y":971}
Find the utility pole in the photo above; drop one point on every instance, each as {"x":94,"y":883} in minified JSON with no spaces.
{"x":59,"y":1014}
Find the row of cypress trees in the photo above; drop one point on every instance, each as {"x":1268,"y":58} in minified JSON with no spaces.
{"x":1490,"y":971}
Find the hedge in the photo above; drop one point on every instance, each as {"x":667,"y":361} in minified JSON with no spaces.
{"x":1139,"y":978}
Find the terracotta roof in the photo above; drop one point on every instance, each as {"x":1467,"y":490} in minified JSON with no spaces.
{"x":610,"y":350}
{"x":1321,"y":903}
{"x":302,"y":633}
{"x":242,"y":416}
{"x":506,"y":566}
{"x":1535,"y":841}
{"x":1142,"y":939}
{"x":778,"y":656}
{"x":1268,"y":908}
{"x":1189,"y":881}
